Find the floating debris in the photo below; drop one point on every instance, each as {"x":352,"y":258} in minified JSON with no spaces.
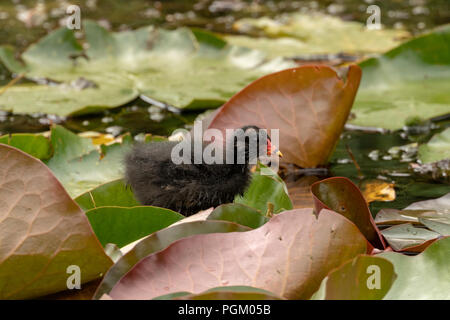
{"x":439,"y":170}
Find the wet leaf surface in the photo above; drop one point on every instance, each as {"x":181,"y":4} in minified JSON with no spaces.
{"x":404,"y":237}
{"x":394,"y":216}
{"x":442,"y":228}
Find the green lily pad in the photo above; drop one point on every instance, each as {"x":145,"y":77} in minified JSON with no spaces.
{"x":362,"y":278}
{"x":422,"y":277}
{"x":394,"y":216}
{"x":223,"y":293}
{"x":437,"y":210}
{"x":441,"y":204}
{"x":262,"y":190}
{"x":80,"y":166}
{"x":438,"y":148}
{"x":406,"y":84}
{"x":118,"y":67}
{"x":122,"y":226}
{"x":36,"y":145}
{"x":301,"y":34}
{"x":437,"y":226}
{"x":410,"y":232}
{"x":405,"y":236}
{"x":239,"y":213}
{"x":113,"y":193}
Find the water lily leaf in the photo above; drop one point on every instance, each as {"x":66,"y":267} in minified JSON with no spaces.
{"x":85,"y":293}
{"x":394,"y":216}
{"x":357,"y":280}
{"x":298,"y":102}
{"x":80,"y":166}
{"x":438,"y":148}
{"x":441,"y":204}
{"x":313,"y":34}
{"x":65,"y":100}
{"x":158,"y":241}
{"x":35,"y":145}
{"x":224,"y":293}
{"x":263,"y":190}
{"x":122,"y":226}
{"x":118,"y":67}
{"x":240,"y":214}
{"x":406,"y":84}
{"x":405,"y":236}
{"x":433,"y":214}
{"x":42,"y":231}
{"x":113,"y":193}
{"x":422,"y":277}
{"x":343,"y":196}
{"x":437,"y":226}
{"x":275,"y":47}
{"x":289,"y":256}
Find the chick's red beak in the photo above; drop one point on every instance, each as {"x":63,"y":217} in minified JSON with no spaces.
{"x":271,"y":149}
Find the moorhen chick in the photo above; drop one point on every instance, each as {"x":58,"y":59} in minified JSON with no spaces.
{"x":189,"y":188}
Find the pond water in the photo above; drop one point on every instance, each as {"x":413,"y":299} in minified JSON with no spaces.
{"x":19,"y":30}
{"x":377,"y":156}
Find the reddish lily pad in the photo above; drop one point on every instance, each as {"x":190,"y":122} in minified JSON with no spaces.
{"x":299,"y":103}
{"x":157,"y":242}
{"x":342,"y":195}
{"x":42,"y":231}
{"x":288,"y":256}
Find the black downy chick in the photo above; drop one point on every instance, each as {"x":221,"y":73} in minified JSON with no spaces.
{"x":188,"y":188}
